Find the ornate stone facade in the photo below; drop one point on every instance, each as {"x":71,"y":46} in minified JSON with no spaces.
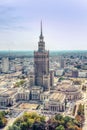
{"x":8,"y":98}
{"x":55,"y":103}
{"x":71,"y":91}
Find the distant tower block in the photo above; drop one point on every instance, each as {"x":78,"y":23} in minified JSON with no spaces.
{"x":75,"y":73}
{"x":31,"y":80}
{"x":5,"y":65}
{"x":41,"y":61}
{"x":62,"y":62}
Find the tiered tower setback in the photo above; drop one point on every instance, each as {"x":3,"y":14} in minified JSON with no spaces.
{"x":41,"y":62}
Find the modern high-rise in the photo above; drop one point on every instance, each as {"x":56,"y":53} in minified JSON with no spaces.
{"x":41,"y":64}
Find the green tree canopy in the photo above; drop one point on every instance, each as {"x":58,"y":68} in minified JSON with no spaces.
{"x":60,"y":127}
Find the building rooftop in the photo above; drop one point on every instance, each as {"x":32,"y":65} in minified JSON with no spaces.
{"x":8,"y":93}
{"x":57,"y":97}
{"x":46,"y":93}
{"x":24,"y":91}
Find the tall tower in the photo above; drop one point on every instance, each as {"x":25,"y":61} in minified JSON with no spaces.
{"x":41,"y":61}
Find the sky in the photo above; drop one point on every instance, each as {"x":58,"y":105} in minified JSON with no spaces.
{"x":64,"y":24}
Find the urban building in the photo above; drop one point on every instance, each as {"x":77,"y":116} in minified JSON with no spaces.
{"x":35,"y":93}
{"x":41,"y":64}
{"x":71,"y":91}
{"x":56,"y":103}
{"x":41,"y":77}
{"x":44,"y":96}
{"x":62,"y":62}
{"x":8,"y":98}
{"x":23,"y":95}
{"x":74,"y":73}
{"x":5,"y":65}
{"x":59,"y":72}
{"x":82,"y":74}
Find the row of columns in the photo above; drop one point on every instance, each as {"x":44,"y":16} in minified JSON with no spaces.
{"x":23,"y":96}
{"x":57,"y":108}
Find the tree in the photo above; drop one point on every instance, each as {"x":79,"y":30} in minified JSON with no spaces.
{"x":30,"y":123}
{"x":42,"y":118}
{"x":14,"y":127}
{"x":3,"y":120}
{"x":18,"y":84}
{"x":67,"y":119}
{"x":33,"y":121}
{"x":38,"y":126}
{"x":24,"y":126}
{"x":58,"y":117}
{"x":70,"y":125}
{"x":18,"y":121}
{"x":1,"y":123}
{"x":60,"y":127}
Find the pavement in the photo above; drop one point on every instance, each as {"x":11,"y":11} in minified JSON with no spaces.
{"x":12,"y":119}
{"x":85,"y":111}
{"x":10,"y":122}
{"x":84,"y":101}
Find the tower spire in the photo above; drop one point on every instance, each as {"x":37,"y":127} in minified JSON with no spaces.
{"x":41,"y":35}
{"x":41,"y":29}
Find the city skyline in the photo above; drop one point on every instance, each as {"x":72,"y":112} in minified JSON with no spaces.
{"x":64,"y":24}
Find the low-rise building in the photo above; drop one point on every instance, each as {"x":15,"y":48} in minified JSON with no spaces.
{"x":55,"y":103}
{"x":23,"y":95}
{"x":8,"y":98}
{"x":71,"y":91}
{"x":35,"y":92}
{"x":44,"y":96}
{"x":74,"y":73}
{"x":59,"y":72}
{"x":82,"y":74}
{"x":5,"y":65}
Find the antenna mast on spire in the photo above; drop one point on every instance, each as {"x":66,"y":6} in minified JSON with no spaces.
{"x":41,"y":28}
{"x":41,"y":35}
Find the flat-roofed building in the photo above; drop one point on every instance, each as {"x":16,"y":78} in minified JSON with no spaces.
{"x":56,"y":103}
{"x":72,"y":92}
{"x":74,"y":73}
{"x":23,"y":95}
{"x":5,"y":65}
{"x":44,"y":96}
{"x":35,"y":92}
{"x":8,"y":98}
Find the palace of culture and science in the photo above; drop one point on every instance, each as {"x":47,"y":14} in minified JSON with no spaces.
{"x":42,"y":77}
{"x":41,"y":64}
